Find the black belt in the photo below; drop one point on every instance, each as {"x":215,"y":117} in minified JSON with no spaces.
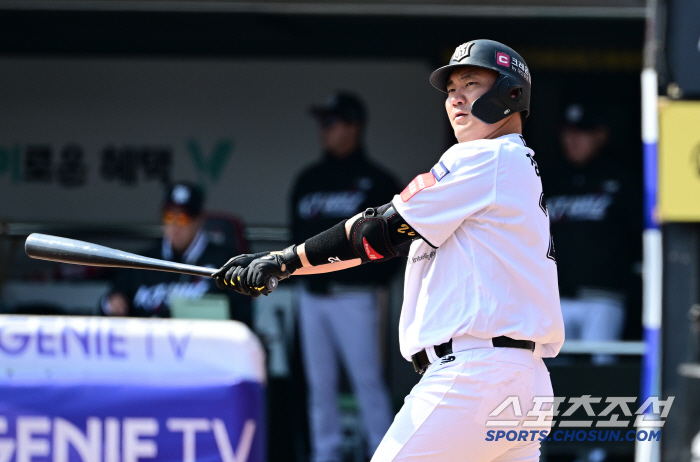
{"x":421,"y":360}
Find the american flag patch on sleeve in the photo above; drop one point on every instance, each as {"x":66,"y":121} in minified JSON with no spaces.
{"x":439,"y":171}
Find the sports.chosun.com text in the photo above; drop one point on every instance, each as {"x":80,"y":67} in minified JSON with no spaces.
{"x":574,"y":435}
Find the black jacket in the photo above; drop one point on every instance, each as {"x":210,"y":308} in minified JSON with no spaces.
{"x":148,"y":291}
{"x":330,"y":191}
{"x":596,"y":218}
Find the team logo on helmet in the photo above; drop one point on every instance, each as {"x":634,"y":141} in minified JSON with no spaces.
{"x":180,"y":194}
{"x":462,"y":51}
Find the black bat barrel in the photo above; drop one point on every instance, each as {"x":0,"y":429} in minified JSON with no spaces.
{"x":61,"y":249}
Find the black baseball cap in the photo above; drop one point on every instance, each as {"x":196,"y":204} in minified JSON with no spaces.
{"x":187,"y":196}
{"x":583,"y":117}
{"x":344,"y":105}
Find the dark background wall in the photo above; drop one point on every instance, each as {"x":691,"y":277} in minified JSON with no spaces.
{"x":589,"y":59}
{"x":592,"y":59}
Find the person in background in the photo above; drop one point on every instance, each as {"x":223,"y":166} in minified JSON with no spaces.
{"x":338,"y":313}
{"x":148,"y":293}
{"x":595,"y":214}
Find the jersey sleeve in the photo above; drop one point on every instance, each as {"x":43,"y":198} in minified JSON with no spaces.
{"x":461,"y":185}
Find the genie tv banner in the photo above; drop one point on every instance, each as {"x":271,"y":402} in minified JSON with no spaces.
{"x":126,"y":390}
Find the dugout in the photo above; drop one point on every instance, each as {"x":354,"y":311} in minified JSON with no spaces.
{"x":76,"y":70}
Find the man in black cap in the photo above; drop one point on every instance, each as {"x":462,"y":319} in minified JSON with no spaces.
{"x":149,"y":293}
{"x":338,"y":311}
{"x":596,"y":225}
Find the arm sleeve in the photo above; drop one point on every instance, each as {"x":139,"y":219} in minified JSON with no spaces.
{"x":461,"y":186}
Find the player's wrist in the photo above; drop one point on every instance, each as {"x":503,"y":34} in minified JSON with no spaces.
{"x":291,"y":259}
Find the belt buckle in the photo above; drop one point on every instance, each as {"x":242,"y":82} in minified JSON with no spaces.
{"x":416,"y":365}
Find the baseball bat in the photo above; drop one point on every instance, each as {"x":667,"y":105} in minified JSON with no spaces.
{"x":64,"y":250}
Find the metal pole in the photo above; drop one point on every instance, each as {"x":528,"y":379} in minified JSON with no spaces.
{"x":650,"y":451}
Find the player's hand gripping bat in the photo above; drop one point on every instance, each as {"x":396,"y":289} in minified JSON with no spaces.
{"x":61,"y":249}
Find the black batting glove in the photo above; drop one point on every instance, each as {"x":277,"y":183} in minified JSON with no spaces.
{"x":224,"y":275}
{"x":256,"y":276}
{"x":237,"y":280}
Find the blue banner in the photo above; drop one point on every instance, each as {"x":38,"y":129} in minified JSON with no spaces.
{"x":61,"y":401}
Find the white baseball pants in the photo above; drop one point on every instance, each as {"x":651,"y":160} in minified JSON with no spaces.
{"x":342,"y":327}
{"x":444,"y":417}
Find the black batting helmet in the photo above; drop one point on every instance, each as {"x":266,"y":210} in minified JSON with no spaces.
{"x":510,"y":93}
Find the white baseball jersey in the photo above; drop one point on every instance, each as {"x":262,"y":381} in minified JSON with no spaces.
{"x":485,"y":266}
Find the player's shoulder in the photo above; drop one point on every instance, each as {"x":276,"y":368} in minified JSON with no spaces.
{"x":153,"y":250}
{"x":312,"y":168}
{"x":513,"y":142}
{"x":378,"y":170}
{"x":309,"y":177}
{"x":510,"y":142}
{"x":480,"y":151}
{"x":214,"y":254}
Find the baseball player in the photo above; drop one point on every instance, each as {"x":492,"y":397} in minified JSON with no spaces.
{"x":338,"y":312}
{"x":149,"y":294}
{"x":481,"y":303}
{"x":594,"y":214}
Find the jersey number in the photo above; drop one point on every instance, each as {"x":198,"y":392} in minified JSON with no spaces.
{"x":533,"y":162}
{"x":551,"y":253}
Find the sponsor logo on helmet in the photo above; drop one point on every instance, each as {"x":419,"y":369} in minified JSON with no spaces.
{"x":502,"y":59}
{"x":462,"y":51}
{"x":505,"y":60}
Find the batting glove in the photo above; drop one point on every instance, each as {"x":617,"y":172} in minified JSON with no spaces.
{"x":224,"y":276}
{"x":255,"y":278}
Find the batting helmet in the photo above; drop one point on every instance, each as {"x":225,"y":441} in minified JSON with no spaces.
{"x":510,"y":93}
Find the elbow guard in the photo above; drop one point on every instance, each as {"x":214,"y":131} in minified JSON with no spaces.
{"x":369,"y":237}
{"x":376,"y":235}
{"x":373,"y":237}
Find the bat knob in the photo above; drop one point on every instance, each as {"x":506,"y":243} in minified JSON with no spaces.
{"x":272,"y":283}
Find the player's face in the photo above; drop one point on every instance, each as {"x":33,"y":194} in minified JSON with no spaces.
{"x":464,"y":86}
{"x":581,"y":146}
{"x":180,"y":228}
{"x":339,"y":138}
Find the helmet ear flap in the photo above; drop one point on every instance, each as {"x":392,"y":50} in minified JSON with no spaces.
{"x":505,"y":98}
{"x":490,"y":107}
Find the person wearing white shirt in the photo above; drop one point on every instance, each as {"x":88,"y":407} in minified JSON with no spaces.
{"x":481,"y":302}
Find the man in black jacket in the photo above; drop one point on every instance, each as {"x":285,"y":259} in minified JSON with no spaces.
{"x":595,"y":214}
{"x":149,"y":293}
{"x":338,"y":311}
